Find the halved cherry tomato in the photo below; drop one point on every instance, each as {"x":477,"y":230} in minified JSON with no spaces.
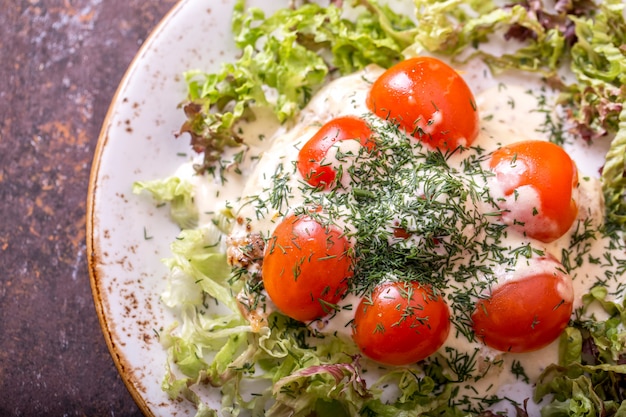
{"x":546,"y":169}
{"x":429,"y":100}
{"x":401,"y":323}
{"x":312,"y":163}
{"x":527,"y":312}
{"x":306,"y":267}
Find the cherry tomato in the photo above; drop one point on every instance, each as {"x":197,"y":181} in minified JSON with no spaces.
{"x":306,"y":267}
{"x":527,"y":312}
{"x":312,"y":163}
{"x":542,"y":168}
{"x":401,"y":323}
{"x":429,"y":100}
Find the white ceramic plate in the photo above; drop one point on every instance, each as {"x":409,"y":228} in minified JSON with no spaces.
{"x":127,"y":236}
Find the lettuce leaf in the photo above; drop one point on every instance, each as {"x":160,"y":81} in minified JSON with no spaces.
{"x":614,"y":178}
{"x":178,"y":193}
{"x":300,"y":391}
{"x":285,"y":58}
{"x":456,"y":28}
{"x":591,"y":376}
{"x":206,"y":338}
{"x":597,"y":98}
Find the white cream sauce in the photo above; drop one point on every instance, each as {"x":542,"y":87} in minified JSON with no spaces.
{"x":508,"y":114}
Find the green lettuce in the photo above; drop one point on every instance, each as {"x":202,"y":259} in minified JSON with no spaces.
{"x":591,"y":375}
{"x":178,"y":193}
{"x":285,"y":59}
{"x":449,"y":28}
{"x":614,"y":178}
{"x":597,"y":98}
{"x":205,"y":334}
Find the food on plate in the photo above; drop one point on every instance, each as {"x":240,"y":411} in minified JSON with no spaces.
{"x":313,"y":155}
{"x":528,"y":312}
{"x":401,"y":323}
{"x":535,"y":183}
{"x":411,"y":241}
{"x":306,"y":267}
{"x":427,"y":99}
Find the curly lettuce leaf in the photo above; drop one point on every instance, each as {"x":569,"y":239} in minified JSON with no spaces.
{"x":198,"y":265}
{"x":285,"y":58}
{"x":591,"y":375}
{"x":583,"y":390}
{"x":608,"y":336}
{"x":178,"y":193}
{"x":301,"y":391}
{"x":207,"y":338}
{"x":599,"y":63}
{"x":597,"y":98}
{"x":614,"y":178}
{"x":456,"y":28}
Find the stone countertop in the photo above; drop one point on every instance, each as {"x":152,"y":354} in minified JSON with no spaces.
{"x":61,"y":62}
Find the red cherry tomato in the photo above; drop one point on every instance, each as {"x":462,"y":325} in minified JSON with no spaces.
{"x":306,"y":267}
{"x":545,"y":169}
{"x":528,"y":312}
{"x":401,"y":323}
{"x":312,"y":163}
{"x":429,"y":100}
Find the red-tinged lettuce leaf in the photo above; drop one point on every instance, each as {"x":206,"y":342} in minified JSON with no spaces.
{"x":285,"y":59}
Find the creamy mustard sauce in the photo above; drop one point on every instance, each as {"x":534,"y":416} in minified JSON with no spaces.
{"x":508,"y":114}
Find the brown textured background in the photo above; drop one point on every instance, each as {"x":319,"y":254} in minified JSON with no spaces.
{"x":60,"y":64}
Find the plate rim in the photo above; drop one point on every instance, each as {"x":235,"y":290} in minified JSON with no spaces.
{"x":92,"y":247}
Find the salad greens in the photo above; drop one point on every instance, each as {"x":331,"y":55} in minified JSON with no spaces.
{"x":179,"y":195}
{"x":276,"y":369}
{"x":592,"y":373}
{"x":301,"y":49}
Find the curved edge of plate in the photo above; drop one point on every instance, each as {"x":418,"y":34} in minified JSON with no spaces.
{"x":94,"y":254}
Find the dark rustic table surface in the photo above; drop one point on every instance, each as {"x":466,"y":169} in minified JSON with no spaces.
{"x":60,"y":64}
